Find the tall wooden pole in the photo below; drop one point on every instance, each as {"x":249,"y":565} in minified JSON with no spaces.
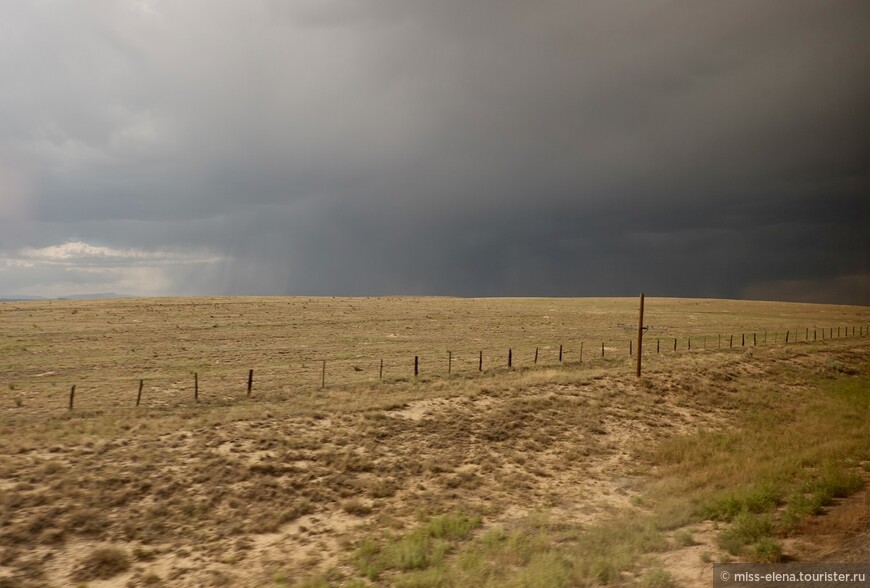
{"x":640,"y":335}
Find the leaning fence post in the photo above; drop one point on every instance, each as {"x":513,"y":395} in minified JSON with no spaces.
{"x":72,"y":396}
{"x":536,"y":355}
{"x":139,"y":395}
{"x":786,"y":336}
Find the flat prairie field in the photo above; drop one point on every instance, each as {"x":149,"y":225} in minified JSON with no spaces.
{"x":288,"y":441}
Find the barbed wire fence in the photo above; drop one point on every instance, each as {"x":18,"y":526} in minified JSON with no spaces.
{"x":47,"y":393}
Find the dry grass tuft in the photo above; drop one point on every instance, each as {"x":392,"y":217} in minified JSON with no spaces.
{"x":101,"y":564}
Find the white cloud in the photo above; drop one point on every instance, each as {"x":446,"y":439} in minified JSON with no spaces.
{"x":79,"y":252}
{"x":77,"y":267}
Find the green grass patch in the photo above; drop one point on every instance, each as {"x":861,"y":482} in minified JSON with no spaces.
{"x":794,"y":455}
{"x":729,"y":504}
{"x":767,"y":550}
{"x":745,"y":529}
{"x":535,"y":553}
{"x":421,"y":549}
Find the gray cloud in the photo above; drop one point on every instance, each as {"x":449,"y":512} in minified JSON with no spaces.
{"x":554,"y":148}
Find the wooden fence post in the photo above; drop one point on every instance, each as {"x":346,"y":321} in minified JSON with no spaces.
{"x":731,"y":344}
{"x":602,"y":349}
{"x":658,"y":345}
{"x":510,"y":357}
{"x":416,"y":365}
{"x":480,"y":362}
{"x":689,"y":344}
{"x":560,"y":353}
{"x":323,"y":375}
{"x":139,"y":395}
{"x":381,"y":372}
{"x":250,"y":381}
{"x":639,"y":336}
{"x":449,"y":362}
{"x":743,"y":339}
{"x":754,"y":340}
{"x":536,"y":355}
{"x":72,"y":396}
{"x":719,"y":340}
{"x":581,"y":351}
{"x":630,"y":351}
{"x":675,"y":343}
{"x":786,"y":336}
{"x":196,"y":386}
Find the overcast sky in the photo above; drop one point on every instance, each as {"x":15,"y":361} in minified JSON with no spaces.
{"x":474,"y":148}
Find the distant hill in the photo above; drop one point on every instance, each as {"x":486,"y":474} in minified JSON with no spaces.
{"x":16,"y":298}
{"x":92,"y":296}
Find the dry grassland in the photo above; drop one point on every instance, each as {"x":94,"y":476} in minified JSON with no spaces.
{"x":547,"y":475}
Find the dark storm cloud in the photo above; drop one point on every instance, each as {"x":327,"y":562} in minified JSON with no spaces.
{"x":483,"y":148}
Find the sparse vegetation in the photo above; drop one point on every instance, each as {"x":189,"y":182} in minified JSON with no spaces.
{"x":538,"y":476}
{"x":657,"y":578}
